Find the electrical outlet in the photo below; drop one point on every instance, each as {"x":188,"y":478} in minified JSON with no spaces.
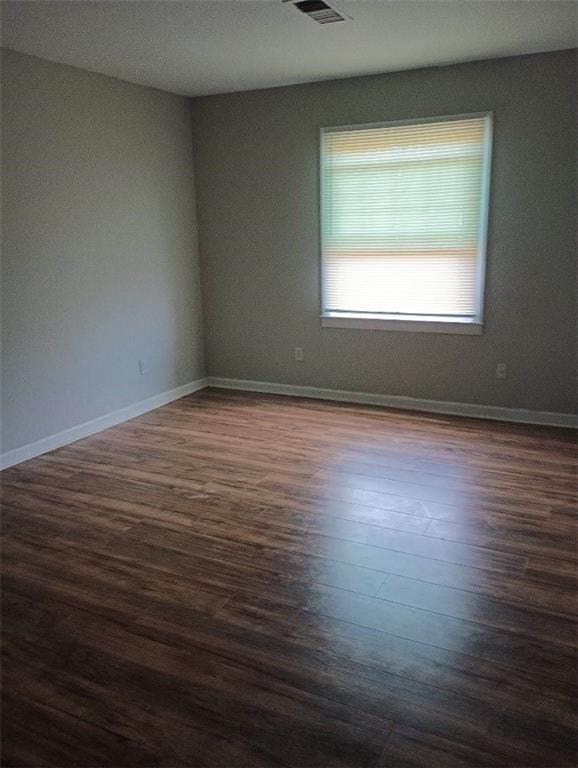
{"x":143,"y":367}
{"x":501,"y":371}
{"x":299,"y":354}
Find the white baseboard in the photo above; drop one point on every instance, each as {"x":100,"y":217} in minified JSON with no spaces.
{"x":493,"y":412}
{"x":496,"y":413}
{"x":71,"y":435}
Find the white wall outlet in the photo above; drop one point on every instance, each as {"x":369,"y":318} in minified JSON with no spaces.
{"x":501,"y":371}
{"x":299,"y":354}
{"x":143,"y":367}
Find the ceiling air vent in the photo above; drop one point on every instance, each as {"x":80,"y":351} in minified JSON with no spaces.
{"x":319,"y":11}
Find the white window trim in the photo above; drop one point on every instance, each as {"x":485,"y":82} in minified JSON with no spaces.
{"x":406,"y":323}
{"x":472,"y":326}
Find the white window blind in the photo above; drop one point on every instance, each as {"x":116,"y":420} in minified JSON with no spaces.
{"x":404,"y":217}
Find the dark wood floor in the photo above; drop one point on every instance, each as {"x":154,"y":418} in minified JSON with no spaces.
{"x":240,"y":580}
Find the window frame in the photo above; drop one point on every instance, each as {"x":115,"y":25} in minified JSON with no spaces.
{"x":416,"y":323}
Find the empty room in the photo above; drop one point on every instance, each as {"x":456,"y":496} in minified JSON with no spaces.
{"x":288,"y":386}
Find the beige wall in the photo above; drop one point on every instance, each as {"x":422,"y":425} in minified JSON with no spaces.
{"x":100,"y":266}
{"x":257,"y":193}
{"x":99,"y":261}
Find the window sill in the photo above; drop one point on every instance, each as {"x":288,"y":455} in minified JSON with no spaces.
{"x":406,"y":324}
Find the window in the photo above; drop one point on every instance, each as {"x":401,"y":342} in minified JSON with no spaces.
{"x":403,"y":224}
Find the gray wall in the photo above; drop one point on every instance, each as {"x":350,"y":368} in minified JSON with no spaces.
{"x":99,"y":261}
{"x":257,"y":193}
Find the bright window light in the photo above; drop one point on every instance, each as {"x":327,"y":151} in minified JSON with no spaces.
{"x":404,"y":210}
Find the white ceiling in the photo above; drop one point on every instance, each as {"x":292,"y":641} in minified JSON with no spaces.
{"x":214,"y":46}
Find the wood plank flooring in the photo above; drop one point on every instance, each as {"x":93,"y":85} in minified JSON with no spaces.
{"x":245,"y":580}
